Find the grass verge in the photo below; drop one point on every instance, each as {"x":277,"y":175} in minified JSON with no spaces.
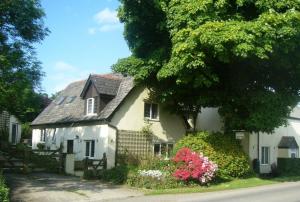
{"x":233,"y":184}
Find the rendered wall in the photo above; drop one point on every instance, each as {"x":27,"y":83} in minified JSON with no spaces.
{"x":79,"y":134}
{"x":130,"y":116}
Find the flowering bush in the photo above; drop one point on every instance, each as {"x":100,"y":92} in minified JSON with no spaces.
{"x":221,"y":148}
{"x":151,"y":173}
{"x":194,"y":166}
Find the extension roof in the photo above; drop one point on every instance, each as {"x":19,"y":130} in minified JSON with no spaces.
{"x":288,"y":142}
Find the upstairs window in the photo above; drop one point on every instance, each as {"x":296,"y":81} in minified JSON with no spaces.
{"x":151,"y":111}
{"x":90,"y":103}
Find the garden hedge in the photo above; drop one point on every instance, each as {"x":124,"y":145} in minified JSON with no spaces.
{"x":288,"y":166}
{"x":4,"y":191}
{"x":223,"y":149}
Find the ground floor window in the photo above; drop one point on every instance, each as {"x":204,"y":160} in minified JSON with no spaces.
{"x":70,"y":146}
{"x":163,"y":149}
{"x":43,"y":135}
{"x":265,"y":155}
{"x":90,"y":148}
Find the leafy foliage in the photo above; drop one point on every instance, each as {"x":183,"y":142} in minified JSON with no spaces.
{"x":21,"y":26}
{"x":240,"y":56}
{"x":220,"y":148}
{"x":4,"y":191}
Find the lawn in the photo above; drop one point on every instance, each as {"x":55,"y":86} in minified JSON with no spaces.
{"x":233,"y":184}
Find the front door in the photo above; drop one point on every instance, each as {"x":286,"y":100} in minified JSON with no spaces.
{"x":14,"y":133}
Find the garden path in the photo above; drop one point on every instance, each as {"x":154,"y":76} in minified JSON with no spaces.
{"x":45,"y":187}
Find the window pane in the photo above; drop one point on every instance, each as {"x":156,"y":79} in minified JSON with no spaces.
{"x":163,"y":149}
{"x":267,"y":155}
{"x":70,"y":147}
{"x":170,"y":148}
{"x":90,"y":106}
{"x":147,"y":107}
{"x":93,"y":148}
{"x":156,"y":149}
{"x":154,"y":111}
{"x":87,"y":149}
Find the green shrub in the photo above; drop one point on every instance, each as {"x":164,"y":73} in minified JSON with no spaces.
{"x":154,"y":163}
{"x":41,"y":146}
{"x":288,"y":166}
{"x":4,"y":191}
{"x":116,"y":175}
{"x":223,"y":149}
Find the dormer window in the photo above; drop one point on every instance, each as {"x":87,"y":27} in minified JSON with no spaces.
{"x":90,"y":104}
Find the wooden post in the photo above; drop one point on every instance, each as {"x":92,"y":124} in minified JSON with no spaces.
{"x":104,"y":161}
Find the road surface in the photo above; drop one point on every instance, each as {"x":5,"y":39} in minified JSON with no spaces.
{"x":283,"y":192}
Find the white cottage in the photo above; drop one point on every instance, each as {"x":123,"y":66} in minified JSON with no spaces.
{"x":11,"y":125}
{"x":102,"y":115}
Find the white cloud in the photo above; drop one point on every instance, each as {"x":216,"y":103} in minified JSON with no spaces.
{"x":63,"y":66}
{"x":64,"y":74}
{"x":107,"y":20}
{"x":108,"y":28}
{"x":106,"y":16}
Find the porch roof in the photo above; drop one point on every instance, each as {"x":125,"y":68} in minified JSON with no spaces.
{"x":288,"y":142}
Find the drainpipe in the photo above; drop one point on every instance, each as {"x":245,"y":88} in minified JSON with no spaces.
{"x":258,"y":152}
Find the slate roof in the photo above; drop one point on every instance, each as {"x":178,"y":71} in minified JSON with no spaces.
{"x":288,"y":142}
{"x":107,"y":84}
{"x":73,"y":112}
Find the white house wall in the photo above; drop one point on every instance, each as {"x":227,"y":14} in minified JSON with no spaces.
{"x":14,"y":120}
{"x":272,"y":141}
{"x":79,"y":134}
{"x":209,"y":120}
{"x":130,"y":116}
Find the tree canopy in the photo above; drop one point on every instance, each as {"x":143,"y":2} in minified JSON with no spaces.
{"x":241,"y":56}
{"x":21,"y":25}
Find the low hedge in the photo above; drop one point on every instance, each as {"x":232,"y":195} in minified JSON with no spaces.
{"x":223,"y":149}
{"x":4,"y":191}
{"x":288,"y":166}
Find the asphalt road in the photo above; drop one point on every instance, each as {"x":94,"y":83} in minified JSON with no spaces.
{"x":283,"y":192}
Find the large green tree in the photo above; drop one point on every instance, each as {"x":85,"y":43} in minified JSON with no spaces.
{"x":21,"y":26}
{"x":241,"y":56}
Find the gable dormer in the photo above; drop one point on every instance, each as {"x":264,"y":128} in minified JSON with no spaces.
{"x":98,"y":91}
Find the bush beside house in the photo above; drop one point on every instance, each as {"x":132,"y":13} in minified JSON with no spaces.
{"x":288,"y":166}
{"x":223,"y":149}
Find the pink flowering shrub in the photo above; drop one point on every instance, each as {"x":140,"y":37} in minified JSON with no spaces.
{"x":191,"y":165}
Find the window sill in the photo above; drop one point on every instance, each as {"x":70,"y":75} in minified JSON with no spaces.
{"x":91,"y":114}
{"x":152,"y":120}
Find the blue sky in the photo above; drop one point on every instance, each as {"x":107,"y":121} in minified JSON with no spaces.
{"x":86,"y":37}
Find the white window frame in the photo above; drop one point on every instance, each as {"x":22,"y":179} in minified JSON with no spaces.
{"x":293,"y":151}
{"x":43,"y":135}
{"x":167,"y":156}
{"x":90,"y":149}
{"x":87,"y":106}
{"x":263,"y":149}
{"x":151,"y":114}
